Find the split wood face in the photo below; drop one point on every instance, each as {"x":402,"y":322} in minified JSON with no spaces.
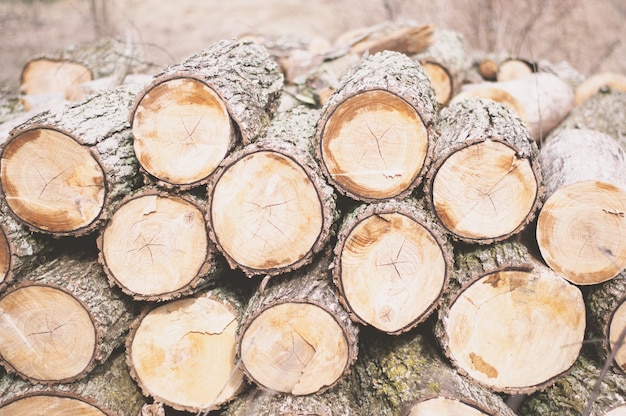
{"x":266,"y":212}
{"x":444,"y":406}
{"x":48,"y":335}
{"x":616,"y":327}
{"x":182,"y":131}
{"x":374,"y":145}
{"x":155,"y":245}
{"x":183,"y":354}
{"x":295,"y":348}
{"x":54,"y":405}
{"x":392,"y":271}
{"x":51,"y":182}
{"x":580,"y":231}
{"x":484,"y":191}
{"x":498,"y":326}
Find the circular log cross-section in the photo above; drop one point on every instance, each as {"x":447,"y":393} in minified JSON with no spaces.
{"x":441,"y":81}
{"x":47,"y":334}
{"x":374,"y":146}
{"x":155,"y":245}
{"x":44,"y":76}
{"x":391,"y":267}
{"x":516,"y":330}
{"x":183,"y":353}
{"x":295,"y":348}
{"x":265,"y":212}
{"x":444,"y":406}
{"x":5,"y":259}
{"x":54,"y":405}
{"x":182,"y":131}
{"x":51,"y":182}
{"x":616,"y":327}
{"x":484,"y":191}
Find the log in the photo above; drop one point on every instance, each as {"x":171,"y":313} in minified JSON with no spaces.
{"x":485,"y":183}
{"x":182,"y":353}
{"x":541,"y":99}
{"x":269,"y":210}
{"x":408,"y":39}
{"x":606,"y":306}
{"x":63,"y":172}
{"x":514,"y":68}
{"x":385,"y":107}
{"x":192,"y":113}
{"x":510,"y":323}
{"x":107,"y":391}
{"x":577,"y":393}
{"x":392,"y":264}
{"x":580,"y":227}
{"x":295,"y":337}
{"x":156,"y":246}
{"x":593,"y":84}
{"x":61,"y":319}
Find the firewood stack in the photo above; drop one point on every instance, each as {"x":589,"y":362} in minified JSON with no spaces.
{"x":268,"y":229}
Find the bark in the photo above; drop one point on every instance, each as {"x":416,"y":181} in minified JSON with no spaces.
{"x":595,"y":83}
{"x":191,"y":115}
{"x":63,"y":172}
{"x":485,"y":183}
{"x":497,"y":324}
{"x":107,"y":390}
{"x":385,"y":108}
{"x":295,"y":337}
{"x":580,"y":226}
{"x":607,"y":320}
{"x":156,"y":246}
{"x":182,"y":353}
{"x":269,"y":209}
{"x":571,"y":395}
{"x":541,"y":99}
{"x":392,"y":264}
{"x":62,"y":319}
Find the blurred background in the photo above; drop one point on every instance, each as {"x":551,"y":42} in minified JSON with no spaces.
{"x":589,"y":34}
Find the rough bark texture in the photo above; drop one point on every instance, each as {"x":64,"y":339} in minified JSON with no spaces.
{"x":99,"y":125}
{"x":288,"y":350}
{"x":108,"y":388}
{"x":482,"y":198}
{"x":79,"y":276}
{"x":269,"y":209}
{"x":392,"y":264}
{"x":580,"y":226}
{"x":570,"y":395}
{"x":508,"y":297}
{"x":405,"y":94}
{"x":182,"y":353}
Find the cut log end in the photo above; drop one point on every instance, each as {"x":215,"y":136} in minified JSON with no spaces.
{"x":182,"y":131}
{"x":616,"y":329}
{"x":183,"y":354}
{"x":5,"y":259}
{"x":391,"y":272}
{"x":295,"y":348}
{"x":266,"y":213}
{"x":485,"y":191}
{"x":44,"y":76}
{"x":155,"y":245}
{"x":51,"y":182}
{"x":440,"y":80}
{"x":514,"y":69}
{"x":516,"y":331}
{"x":54,"y":405}
{"x":580,"y":231}
{"x":48,"y":335}
{"x":374,"y":146}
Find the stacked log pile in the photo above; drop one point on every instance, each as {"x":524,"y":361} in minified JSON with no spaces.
{"x":274,"y":228}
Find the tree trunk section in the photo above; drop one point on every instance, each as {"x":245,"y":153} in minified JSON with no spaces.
{"x":156,"y":246}
{"x":182,"y":353}
{"x":485,"y":184}
{"x":374,"y":139}
{"x":541,"y":99}
{"x":581,"y":226}
{"x":392,"y":264}
{"x":296,"y":338}
{"x":269,"y":209}
{"x":606,"y":305}
{"x":570,"y":395}
{"x":516,"y":326}
{"x":108,"y":390}
{"x":191,"y":115}
{"x":62,"y":172}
